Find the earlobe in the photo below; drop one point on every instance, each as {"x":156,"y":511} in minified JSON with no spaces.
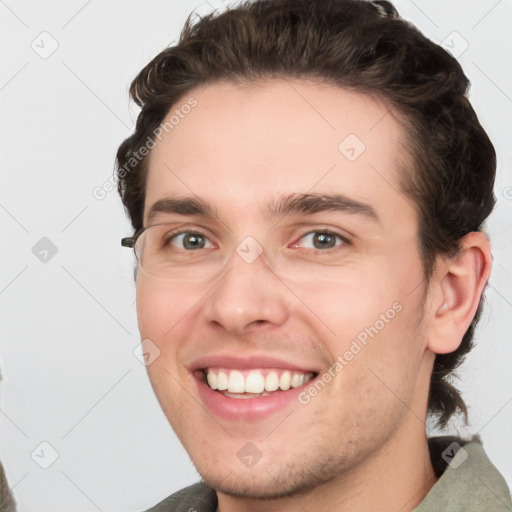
{"x":456,"y":292}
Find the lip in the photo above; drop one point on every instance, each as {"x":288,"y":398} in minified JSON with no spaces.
{"x":247,"y":363}
{"x":251,"y":409}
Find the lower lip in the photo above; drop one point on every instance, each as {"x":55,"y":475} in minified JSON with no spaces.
{"x":250,"y":409}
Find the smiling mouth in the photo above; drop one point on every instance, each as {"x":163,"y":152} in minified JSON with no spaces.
{"x":254,"y":383}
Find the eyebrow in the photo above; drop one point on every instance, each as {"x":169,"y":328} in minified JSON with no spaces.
{"x":298,"y":203}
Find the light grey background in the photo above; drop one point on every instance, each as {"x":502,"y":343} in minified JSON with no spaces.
{"x":69,"y":328}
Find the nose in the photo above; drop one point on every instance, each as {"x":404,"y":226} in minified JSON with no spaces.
{"x":248,"y":296}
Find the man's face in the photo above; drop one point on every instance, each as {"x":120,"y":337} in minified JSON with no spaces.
{"x":330,"y":285}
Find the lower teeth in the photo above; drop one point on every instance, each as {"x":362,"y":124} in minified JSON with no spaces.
{"x":245,"y":396}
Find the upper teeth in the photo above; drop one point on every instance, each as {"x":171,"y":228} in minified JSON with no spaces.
{"x":255,"y":381}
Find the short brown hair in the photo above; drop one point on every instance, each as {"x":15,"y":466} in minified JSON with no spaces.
{"x":359,"y":45}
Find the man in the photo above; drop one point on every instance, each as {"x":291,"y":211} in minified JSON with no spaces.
{"x":307,"y":183}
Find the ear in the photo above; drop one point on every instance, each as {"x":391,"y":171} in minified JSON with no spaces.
{"x":455,"y":290}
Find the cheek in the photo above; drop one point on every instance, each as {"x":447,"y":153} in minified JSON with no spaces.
{"x":347,"y":302}
{"x":161,"y":306}
{"x":371,"y":325}
{"x":383,"y":362}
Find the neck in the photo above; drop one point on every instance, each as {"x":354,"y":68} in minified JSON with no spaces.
{"x":397,"y":477}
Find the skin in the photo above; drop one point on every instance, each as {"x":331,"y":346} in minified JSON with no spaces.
{"x":360,"y":444}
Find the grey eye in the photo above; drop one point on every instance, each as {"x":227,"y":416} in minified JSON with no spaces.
{"x":190,"y":241}
{"x":322,"y":240}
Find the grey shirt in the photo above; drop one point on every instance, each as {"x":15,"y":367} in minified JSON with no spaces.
{"x":6,"y":499}
{"x":468,"y":482}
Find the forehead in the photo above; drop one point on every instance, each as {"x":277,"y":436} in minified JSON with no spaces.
{"x":241,"y":146}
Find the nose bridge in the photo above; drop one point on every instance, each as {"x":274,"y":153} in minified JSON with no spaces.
{"x":248,"y":293}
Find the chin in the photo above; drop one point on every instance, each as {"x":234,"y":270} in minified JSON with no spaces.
{"x":267,"y":481}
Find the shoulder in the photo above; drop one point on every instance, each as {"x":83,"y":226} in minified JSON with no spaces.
{"x":468,"y":481}
{"x":195,"y":498}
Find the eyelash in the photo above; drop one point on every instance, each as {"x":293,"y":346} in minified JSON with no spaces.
{"x":345,"y":241}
